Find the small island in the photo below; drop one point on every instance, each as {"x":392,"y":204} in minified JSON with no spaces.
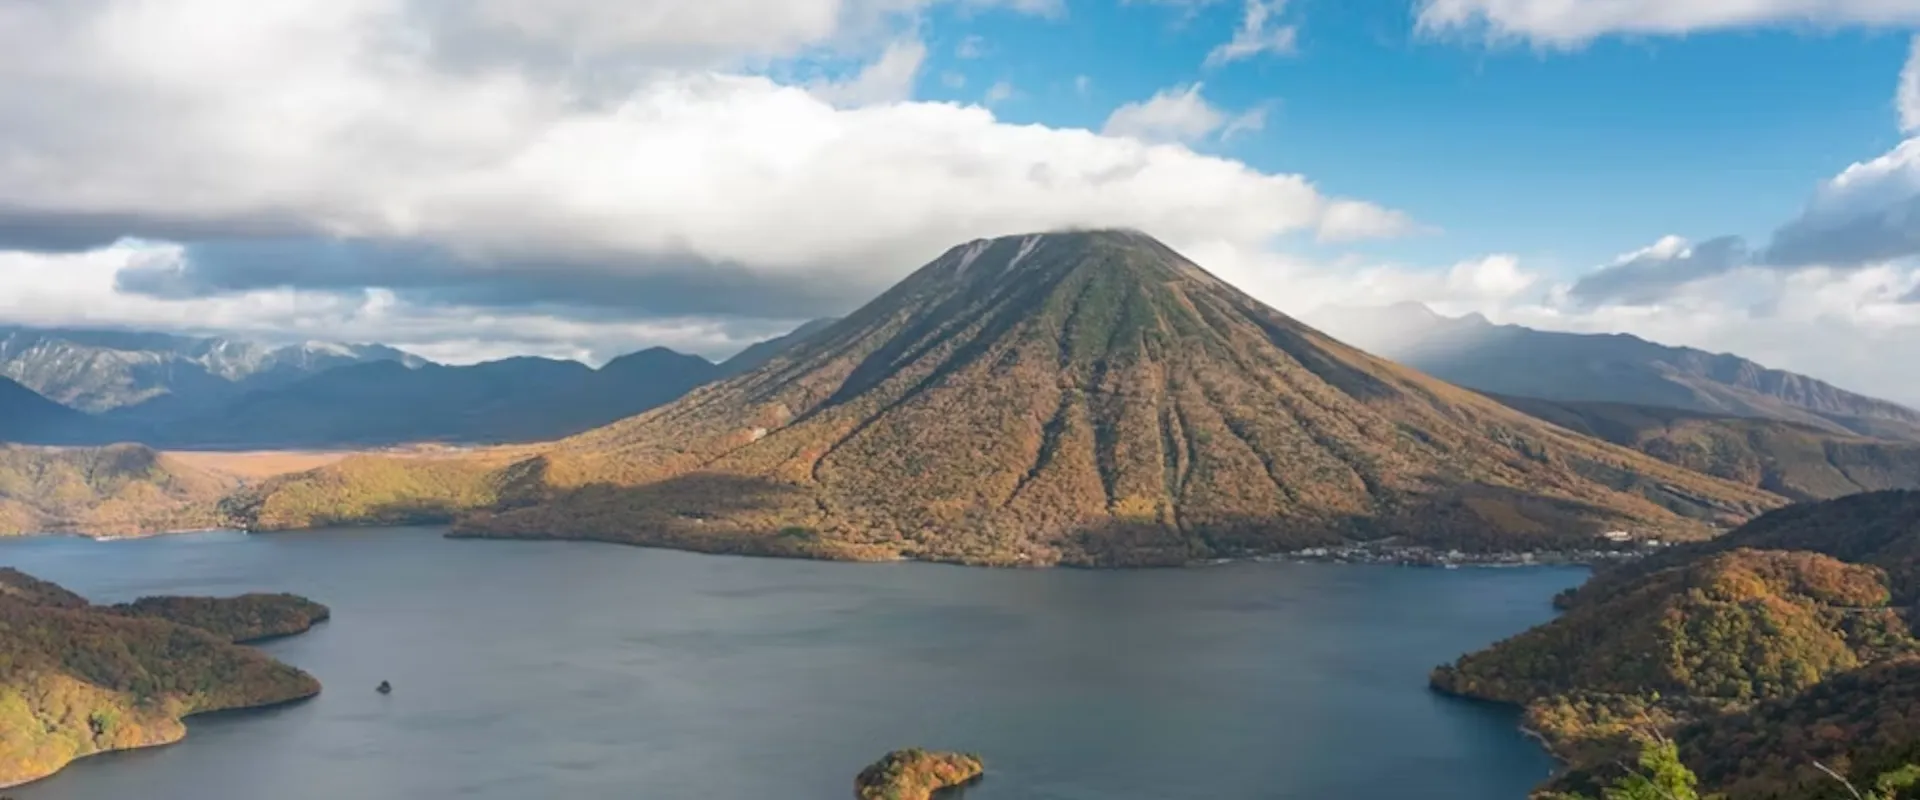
{"x":78,"y":679}
{"x":243,"y":619}
{"x":916,"y":774}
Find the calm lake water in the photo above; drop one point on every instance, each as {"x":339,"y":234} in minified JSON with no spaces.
{"x":559,"y":670}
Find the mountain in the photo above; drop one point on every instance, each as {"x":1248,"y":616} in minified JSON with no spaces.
{"x":1799,"y":462}
{"x":1613,"y":368}
{"x":100,"y":370}
{"x":759,"y":353}
{"x":1083,"y":398}
{"x":26,"y":416}
{"x":387,"y":402}
{"x":119,"y":490}
{"x":78,"y":679}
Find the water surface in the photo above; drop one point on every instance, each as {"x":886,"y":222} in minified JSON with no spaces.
{"x":576,"y":670}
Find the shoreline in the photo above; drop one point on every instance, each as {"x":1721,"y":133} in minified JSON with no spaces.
{"x":1373,"y":553}
{"x":185,"y":730}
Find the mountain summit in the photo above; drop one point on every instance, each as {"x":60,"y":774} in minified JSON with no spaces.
{"x":1086,"y":398}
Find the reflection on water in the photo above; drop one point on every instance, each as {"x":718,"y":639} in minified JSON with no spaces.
{"x":558,"y":670}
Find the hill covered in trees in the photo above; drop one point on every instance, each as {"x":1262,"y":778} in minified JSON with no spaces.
{"x":1083,"y":398}
{"x":247,"y":618}
{"x":1861,"y":723}
{"x":1881,"y":529}
{"x":116,"y":490}
{"x":1760,"y":653}
{"x":78,"y":679}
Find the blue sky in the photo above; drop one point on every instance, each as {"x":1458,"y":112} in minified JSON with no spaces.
{"x":1568,"y":158}
{"x":584,"y":178}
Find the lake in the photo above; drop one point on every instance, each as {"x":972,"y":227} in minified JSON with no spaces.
{"x":579,"y":670}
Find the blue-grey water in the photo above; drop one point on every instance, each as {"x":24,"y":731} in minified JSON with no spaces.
{"x":560,"y":670}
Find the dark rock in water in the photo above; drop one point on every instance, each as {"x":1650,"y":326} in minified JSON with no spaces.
{"x":385,"y":688}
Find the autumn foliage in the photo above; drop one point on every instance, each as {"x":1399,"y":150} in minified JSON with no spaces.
{"x":77,"y":679}
{"x":915,"y":774}
{"x":1763,"y":663}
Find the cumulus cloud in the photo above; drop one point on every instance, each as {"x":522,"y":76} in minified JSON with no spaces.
{"x":888,"y":79}
{"x":1651,"y":274}
{"x":1259,"y":32}
{"x":1907,"y":101}
{"x":86,"y":294}
{"x":1571,"y":23}
{"x":1870,"y":212}
{"x":1179,"y":114}
{"x":675,"y":32}
{"x":226,"y":124}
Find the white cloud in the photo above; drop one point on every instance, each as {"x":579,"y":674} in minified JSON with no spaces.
{"x":1866,"y":214}
{"x":1180,"y":114}
{"x":1571,"y":23}
{"x":888,"y":79}
{"x":953,"y":80}
{"x":676,"y":32}
{"x":1652,"y":273}
{"x":1907,"y":101}
{"x":214,"y":116}
{"x":1082,"y":84}
{"x":78,"y":290}
{"x":999,"y":92}
{"x":970,"y":48}
{"x":1259,"y":32}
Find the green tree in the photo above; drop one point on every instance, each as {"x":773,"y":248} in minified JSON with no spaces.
{"x":1661,"y":776}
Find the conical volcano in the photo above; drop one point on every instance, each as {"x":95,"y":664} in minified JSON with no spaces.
{"x":1088,"y":398}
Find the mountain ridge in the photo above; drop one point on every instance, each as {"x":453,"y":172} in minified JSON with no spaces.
{"x":98,"y":370}
{"x":380,"y":403}
{"x":1618,"y":368}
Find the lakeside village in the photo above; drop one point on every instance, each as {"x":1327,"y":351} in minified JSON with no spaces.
{"x":1609,"y":547}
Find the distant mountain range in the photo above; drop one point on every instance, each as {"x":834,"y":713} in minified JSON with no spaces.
{"x":101,"y":370}
{"x":514,"y":400}
{"x":210,"y":393}
{"x":1614,"y":368}
{"x":1085,"y":398}
{"x":25,"y":414}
